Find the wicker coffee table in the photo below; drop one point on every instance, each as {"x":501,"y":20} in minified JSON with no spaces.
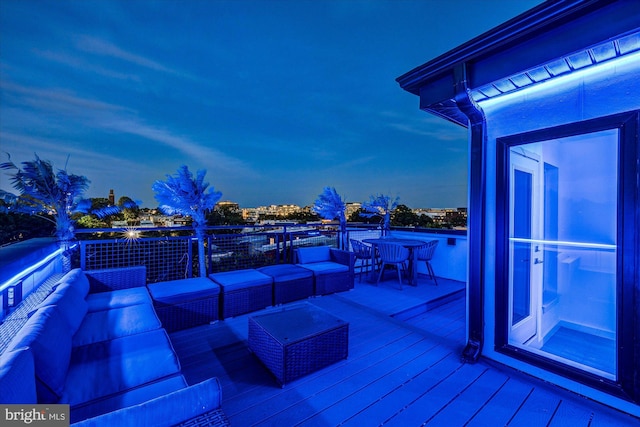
{"x":298,"y":340}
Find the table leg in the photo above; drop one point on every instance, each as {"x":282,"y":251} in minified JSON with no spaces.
{"x":372,"y":273}
{"x":413,"y":270}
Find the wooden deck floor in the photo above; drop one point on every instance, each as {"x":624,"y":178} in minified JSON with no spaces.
{"x":403,"y":369}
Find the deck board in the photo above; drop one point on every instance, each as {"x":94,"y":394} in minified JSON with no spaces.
{"x":537,"y":409}
{"x":458,"y":411}
{"x":428,"y":402}
{"x":403,"y":368}
{"x":500,"y":408}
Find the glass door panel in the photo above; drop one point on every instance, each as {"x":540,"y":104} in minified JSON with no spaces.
{"x":523,"y":287}
{"x":563,"y":211}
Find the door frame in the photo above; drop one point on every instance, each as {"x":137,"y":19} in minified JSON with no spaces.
{"x":627,"y":383}
{"x":527,"y":162}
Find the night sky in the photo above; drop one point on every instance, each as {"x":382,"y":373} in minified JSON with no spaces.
{"x":274,"y":99}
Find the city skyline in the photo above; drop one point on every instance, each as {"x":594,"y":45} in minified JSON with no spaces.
{"x":275,"y":99}
{"x":349,"y":203}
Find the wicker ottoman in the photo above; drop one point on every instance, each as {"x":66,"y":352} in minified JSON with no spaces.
{"x":290,"y":282}
{"x":243,"y":291}
{"x":185,"y":303}
{"x":298,"y":340}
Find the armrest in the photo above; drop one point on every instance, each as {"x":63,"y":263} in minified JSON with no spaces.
{"x":112,"y":279}
{"x":343,"y":257}
{"x":215,"y":418}
{"x":174,"y":408}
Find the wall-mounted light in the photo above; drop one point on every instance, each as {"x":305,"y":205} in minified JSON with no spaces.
{"x":30,"y":269}
{"x":13,"y":295}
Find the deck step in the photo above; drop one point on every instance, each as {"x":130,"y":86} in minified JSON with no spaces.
{"x":427,"y":306}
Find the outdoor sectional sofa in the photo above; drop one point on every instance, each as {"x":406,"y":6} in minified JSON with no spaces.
{"x":332,"y":268}
{"x":106,"y":355}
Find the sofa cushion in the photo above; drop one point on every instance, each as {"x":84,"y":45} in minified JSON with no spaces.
{"x":78,"y":280}
{"x":177,"y":291}
{"x":17,"y":377}
{"x":127,"y":398}
{"x":119,"y":298}
{"x":172,"y":409}
{"x":313,"y":254}
{"x":72,"y":305}
{"x":241,"y":279}
{"x":327,"y":267}
{"x":112,"y":279}
{"x":47,"y":334}
{"x":285,"y":272}
{"x":118,"y":365}
{"x":115,"y":323}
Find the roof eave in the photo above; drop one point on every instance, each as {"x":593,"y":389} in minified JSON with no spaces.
{"x":542,"y":34}
{"x":542,"y":17}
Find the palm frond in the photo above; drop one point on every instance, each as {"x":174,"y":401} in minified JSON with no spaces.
{"x":43,"y":191}
{"x":379,"y":204}
{"x":329,"y":205}
{"x":185,"y":194}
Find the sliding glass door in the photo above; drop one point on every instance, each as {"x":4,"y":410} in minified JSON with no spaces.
{"x":562,"y":249}
{"x":567,"y":254}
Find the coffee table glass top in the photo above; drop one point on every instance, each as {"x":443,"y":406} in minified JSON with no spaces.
{"x":297,"y":322}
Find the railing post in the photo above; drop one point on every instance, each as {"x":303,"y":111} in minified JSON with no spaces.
{"x":208,"y":261}
{"x":282,"y":258}
{"x":190,"y":257}
{"x":83,"y":251}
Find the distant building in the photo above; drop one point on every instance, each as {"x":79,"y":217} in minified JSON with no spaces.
{"x":444,"y":216}
{"x":233,"y":206}
{"x":250,"y":214}
{"x":112,"y":198}
{"x":352,"y":207}
{"x":253,"y":214}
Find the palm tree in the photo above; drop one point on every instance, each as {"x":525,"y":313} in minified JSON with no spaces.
{"x":382,"y":206}
{"x":183,"y":194}
{"x":43,"y":192}
{"x":329,"y":205}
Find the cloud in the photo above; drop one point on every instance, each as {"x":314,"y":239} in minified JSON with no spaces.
{"x":358,"y":161}
{"x":435,"y":132}
{"x":105,"y":168}
{"x":80,"y":64}
{"x":55,"y":99}
{"x":100,"y":47}
{"x":185,"y":145}
{"x":112,"y":118}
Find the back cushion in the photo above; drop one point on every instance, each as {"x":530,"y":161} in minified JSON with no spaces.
{"x":313,"y":254}
{"x":72,"y":306}
{"x":78,"y":280}
{"x":17,"y":377}
{"x":47,"y":334}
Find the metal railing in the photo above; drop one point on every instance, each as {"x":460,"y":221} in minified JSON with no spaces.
{"x":171,"y":253}
{"x":172,"y":257}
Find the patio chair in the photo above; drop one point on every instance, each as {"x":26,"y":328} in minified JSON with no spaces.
{"x":425,"y":253}
{"x":364,"y":253}
{"x":393,"y":254}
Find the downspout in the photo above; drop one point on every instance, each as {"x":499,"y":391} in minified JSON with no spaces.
{"x":476,"y":220}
